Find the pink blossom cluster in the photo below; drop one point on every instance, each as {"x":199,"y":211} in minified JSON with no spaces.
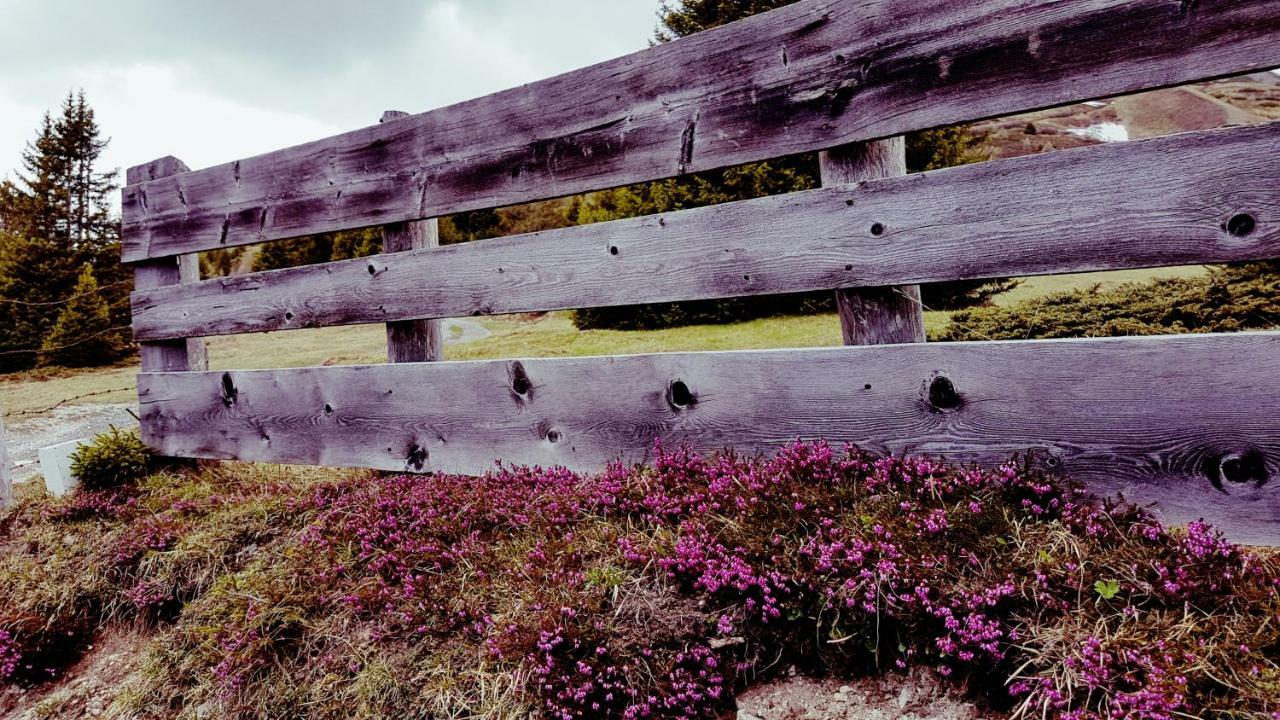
{"x":10,"y":655}
{"x":581,"y":679}
{"x":149,"y":534}
{"x":120,"y":503}
{"x":148,"y":595}
{"x":901,"y":554}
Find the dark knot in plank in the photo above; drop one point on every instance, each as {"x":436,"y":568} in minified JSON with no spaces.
{"x":521,"y":385}
{"x":942,"y":394}
{"x":417,"y":458}
{"x":229,"y":392}
{"x":1246,"y":467}
{"x":1241,"y":225}
{"x":680,"y":397}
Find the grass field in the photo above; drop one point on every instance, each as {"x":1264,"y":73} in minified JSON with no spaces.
{"x":515,"y":336}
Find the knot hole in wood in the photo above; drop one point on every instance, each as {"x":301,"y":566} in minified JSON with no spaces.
{"x":1241,"y":225}
{"x":417,"y":458}
{"x":229,"y":392}
{"x":1247,"y":467}
{"x":942,"y":394}
{"x":679,"y":396}
{"x":521,"y":385}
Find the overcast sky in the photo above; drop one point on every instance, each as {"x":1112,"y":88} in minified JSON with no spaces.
{"x":216,"y":81}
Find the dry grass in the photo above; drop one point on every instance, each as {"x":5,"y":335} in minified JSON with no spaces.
{"x":288,"y":592}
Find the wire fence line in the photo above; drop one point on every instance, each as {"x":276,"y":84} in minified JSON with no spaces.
{"x":81,"y":341}
{"x":51,"y":303}
{"x":64,"y":401}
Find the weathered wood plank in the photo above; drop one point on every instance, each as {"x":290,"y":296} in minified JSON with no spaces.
{"x":1052,"y":213}
{"x":1187,"y":421}
{"x":877,"y":315}
{"x":6,"y":469}
{"x":411,"y":340}
{"x":175,"y":354}
{"x":178,"y":354}
{"x":809,"y":76}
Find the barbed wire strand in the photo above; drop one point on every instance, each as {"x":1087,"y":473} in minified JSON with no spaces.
{"x":85,"y":339}
{"x":60,"y":403}
{"x":51,"y":303}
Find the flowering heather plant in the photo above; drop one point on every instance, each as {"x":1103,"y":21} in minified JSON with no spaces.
{"x":663,"y":590}
{"x":10,"y":655}
{"x":87,"y":504}
{"x":835,"y":561}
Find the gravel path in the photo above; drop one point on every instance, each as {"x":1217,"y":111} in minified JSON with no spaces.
{"x":25,"y":437}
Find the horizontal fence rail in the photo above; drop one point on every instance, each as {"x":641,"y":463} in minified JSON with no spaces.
{"x":1187,"y":421}
{"x":1168,"y":201}
{"x":801,"y":78}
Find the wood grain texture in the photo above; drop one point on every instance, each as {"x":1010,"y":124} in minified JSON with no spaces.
{"x":1051,"y":213}
{"x":411,"y":340}
{"x":1188,"y":421}
{"x":176,"y":354}
{"x":809,"y":76}
{"x":156,"y":169}
{"x":883,"y":315}
{"x":6,"y":469}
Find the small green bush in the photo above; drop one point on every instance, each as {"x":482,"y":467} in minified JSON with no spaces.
{"x":1228,"y":299}
{"x":114,"y":458}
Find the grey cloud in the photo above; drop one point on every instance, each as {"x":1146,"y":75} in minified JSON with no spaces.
{"x":324,"y":58}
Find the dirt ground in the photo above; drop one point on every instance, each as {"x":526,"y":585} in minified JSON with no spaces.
{"x":919,"y":695}
{"x":91,"y":686}
{"x":87,"y":689}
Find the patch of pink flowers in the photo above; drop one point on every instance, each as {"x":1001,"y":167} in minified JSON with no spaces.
{"x":837,"y":559}
{"x":10,"y":655}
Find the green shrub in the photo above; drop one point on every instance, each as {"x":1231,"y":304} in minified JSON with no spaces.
{"x":658,"y":316}
{"x":83,"y":335}
{"x":114,"y":458}
{"x":1228,"y":299}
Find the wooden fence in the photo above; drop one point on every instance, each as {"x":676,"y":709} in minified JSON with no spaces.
{"x":1189,"y":422}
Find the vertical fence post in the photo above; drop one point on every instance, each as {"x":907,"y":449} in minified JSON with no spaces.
{"x":181,"y":355}
{"x":6,"y":475}
{"x":411,"y":340}
{"x":877,"y":315}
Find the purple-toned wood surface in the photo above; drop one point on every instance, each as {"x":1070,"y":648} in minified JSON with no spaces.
{"x":6,"y":472}
{"x":411,"y":340}
{"x":1186,"y":421}
{"x":183,"y":353}
{"x":1164,"y":201}
{"x":809,"y":76}
{"x":874,"y":315}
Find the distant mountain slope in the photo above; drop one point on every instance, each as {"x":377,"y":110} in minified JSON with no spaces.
{"x":1247,"y":100}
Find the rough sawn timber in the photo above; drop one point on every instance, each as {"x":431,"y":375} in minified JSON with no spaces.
{"x":1188,"y":421}
{"x":6,"y":471}
{"x":1051,"y":213}
{"x":411,"y":340}
{"x":183,"y":353}
{"x":874,"y":315}
{"x":806,"y":77}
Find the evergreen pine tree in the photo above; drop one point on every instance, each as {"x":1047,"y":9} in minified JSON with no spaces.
{"x":90,"y":227}
{"x":55,"y":218}
{"x":83,"y":334}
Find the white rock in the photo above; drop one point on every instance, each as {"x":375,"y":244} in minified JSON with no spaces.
{"x":55,"y":465}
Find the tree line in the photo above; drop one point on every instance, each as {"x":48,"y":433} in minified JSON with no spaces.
{"x":63,"y":293}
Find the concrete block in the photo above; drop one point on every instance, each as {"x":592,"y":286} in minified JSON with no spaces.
{"x":55,"y":465}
